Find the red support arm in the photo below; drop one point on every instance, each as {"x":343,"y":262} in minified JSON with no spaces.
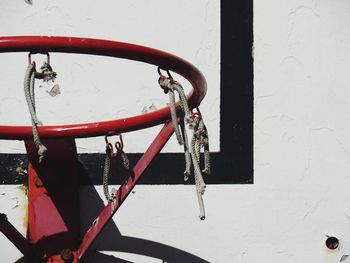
{"x":125,"y":189}
{"x":16,"y":238}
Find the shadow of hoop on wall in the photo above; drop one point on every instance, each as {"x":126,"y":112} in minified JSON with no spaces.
{"x":112,"y":240}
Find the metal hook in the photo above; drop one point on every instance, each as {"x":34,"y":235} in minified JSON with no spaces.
{"x":119,"y":145}
{"x":167,"y":71}
{"x":44,"y":53}
{"x":197,"y":113}
{"x":109,"y":150}
{"x":162,"y":77}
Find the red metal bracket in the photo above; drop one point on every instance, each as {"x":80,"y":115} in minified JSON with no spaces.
{"x":53,"y":194}
{"x":53,"y":199}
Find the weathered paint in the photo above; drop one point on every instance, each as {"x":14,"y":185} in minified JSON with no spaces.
{"x":301,"y":143}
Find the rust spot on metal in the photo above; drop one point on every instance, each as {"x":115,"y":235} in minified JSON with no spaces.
{"x":24,"y":189}
{"x":24,"y":208}
{"x":38,"y":183}
{"x":21,"y":171}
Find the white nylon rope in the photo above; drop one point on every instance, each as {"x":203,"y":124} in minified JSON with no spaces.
{"x":199,"y":139}
{"x":107,"y":165}
{"x":46,"y":73}
{"x":29,"y":83}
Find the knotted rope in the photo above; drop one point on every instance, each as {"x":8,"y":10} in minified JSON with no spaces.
{"x":199,"y":140}
{"x":170,"y":86}
{"x":29,"y":84}
{"x":107,"y":165}
{"x":200,"y":135}
{"x":169,"y":89}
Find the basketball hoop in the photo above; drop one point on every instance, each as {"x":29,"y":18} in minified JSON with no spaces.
{"x":60,"y":240}
{"x":45,"y":45}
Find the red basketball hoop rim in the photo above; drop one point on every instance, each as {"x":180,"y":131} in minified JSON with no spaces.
{"x":166,"y":61}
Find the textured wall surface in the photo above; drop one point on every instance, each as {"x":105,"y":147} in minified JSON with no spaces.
{"x":301,"y":127}
{"x":301,"y":148}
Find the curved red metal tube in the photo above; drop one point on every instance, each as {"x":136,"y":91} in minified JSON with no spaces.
{"x":45,"y":44}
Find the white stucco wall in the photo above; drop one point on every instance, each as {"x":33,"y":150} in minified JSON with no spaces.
{"x":301,"y":148}
{"x":301,"y":126}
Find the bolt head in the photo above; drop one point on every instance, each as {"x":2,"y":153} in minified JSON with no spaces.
{"x":332,"y":243}
{"x":67,"y":255}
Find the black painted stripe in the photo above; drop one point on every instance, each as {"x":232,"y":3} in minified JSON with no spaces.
{"x":167,"y":168}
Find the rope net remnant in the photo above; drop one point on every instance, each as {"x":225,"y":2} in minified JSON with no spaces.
{"x":119,"y":145}
{"x":46,"y":74}
{"x":185,"y":117}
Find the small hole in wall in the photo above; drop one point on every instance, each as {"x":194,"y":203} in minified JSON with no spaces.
{"x":332,"y":242}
